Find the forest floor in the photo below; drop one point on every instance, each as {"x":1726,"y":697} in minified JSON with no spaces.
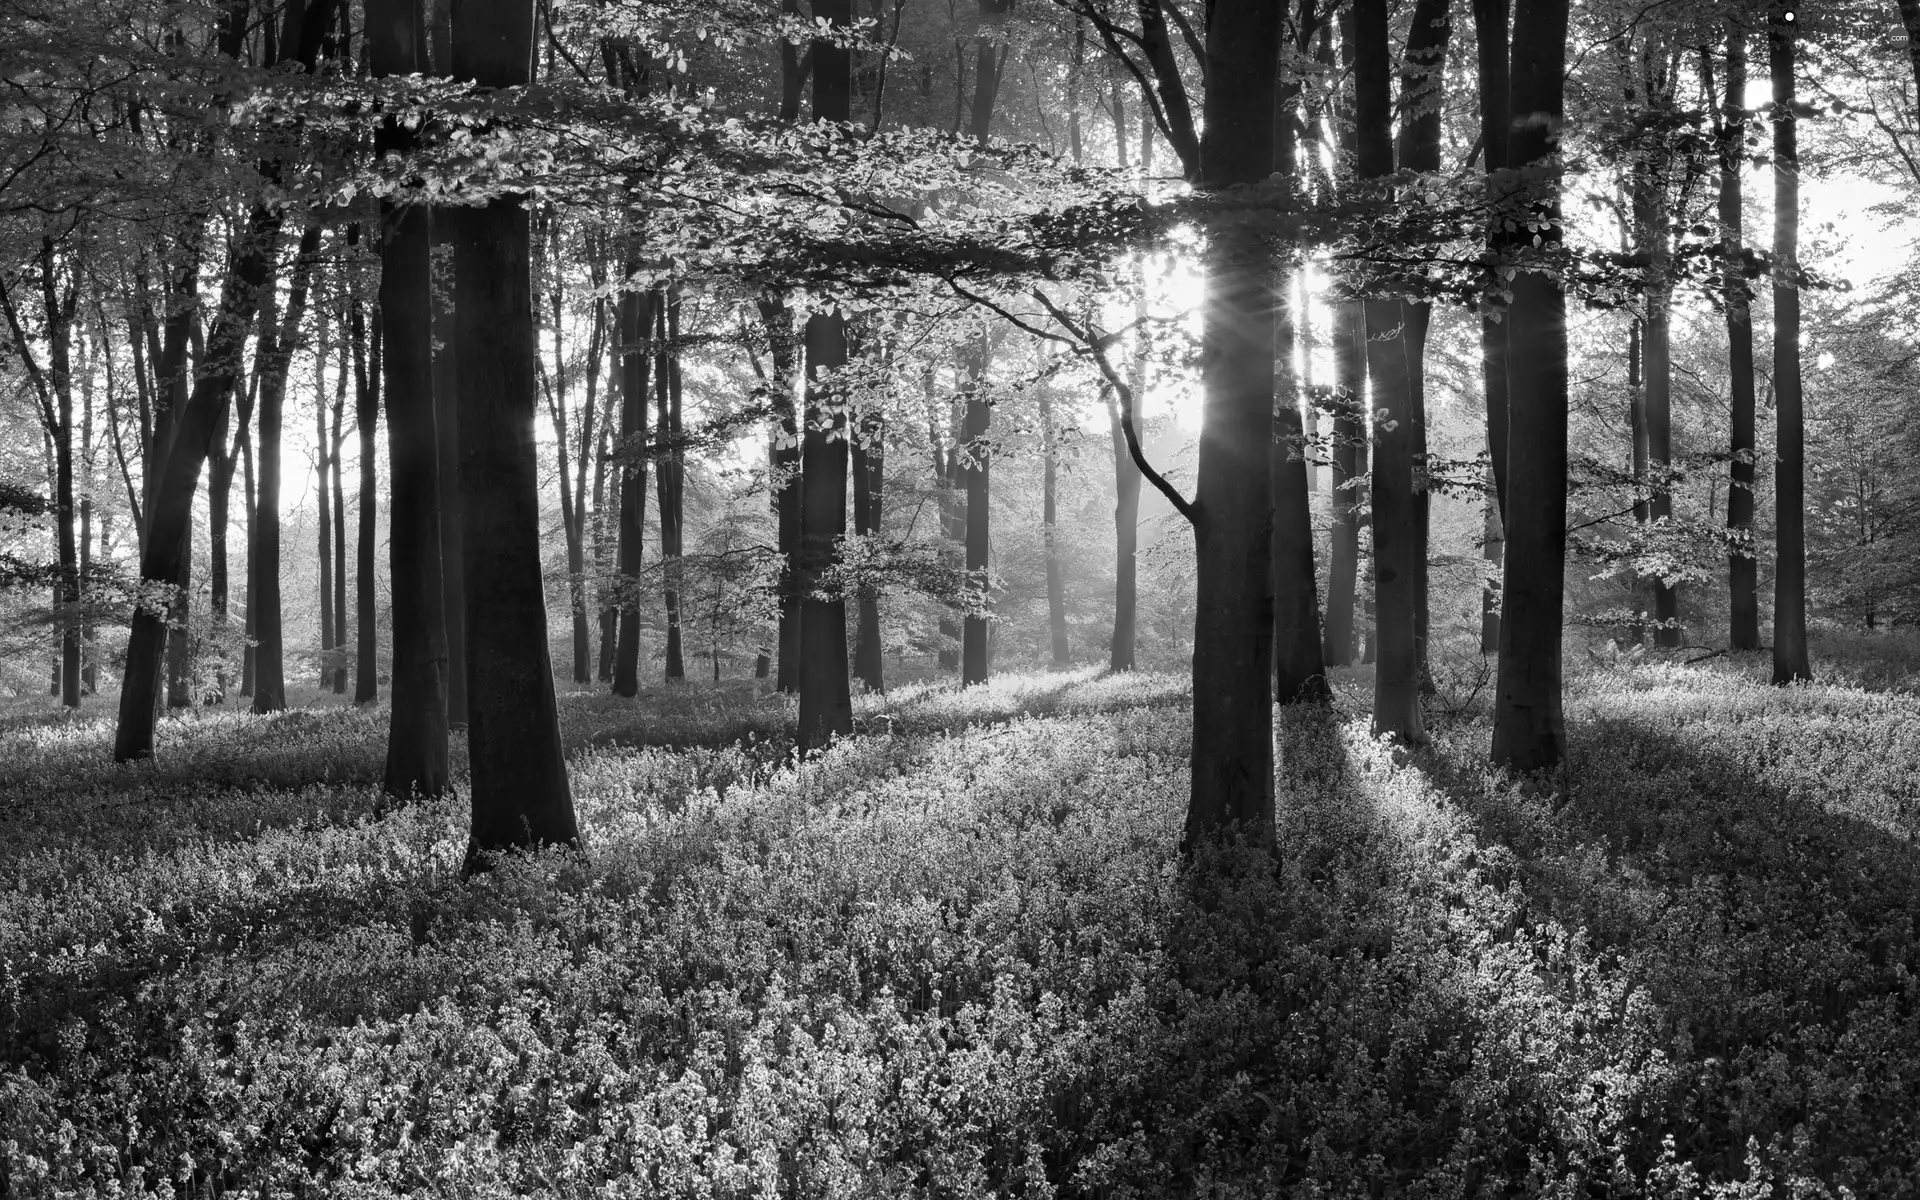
{"x":957,"y":955}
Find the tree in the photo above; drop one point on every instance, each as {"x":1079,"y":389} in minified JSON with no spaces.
{"x":520,"y":793}
{"x":1529,"y":723}
{"x":1743,"y":568}
{"x":826,"y":702}
{"x":1232,"y":771}
{"x":1790,"y":663}
{"x":366,"y":418}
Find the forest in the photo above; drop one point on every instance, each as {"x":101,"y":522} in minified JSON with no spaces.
{"x":943,"y":598}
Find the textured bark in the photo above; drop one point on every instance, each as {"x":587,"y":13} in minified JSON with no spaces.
{"x":1349,"y":479}
{"x":1653,"y":224}
{"x":868,"y":457}
{"x":446,"y":415}
{"x":263,"y":556}
{"x":1743,"y":566}
{"x":417,"y":721}
{"x":670,"y":473}
{"x":1395,"y":342}
{"x":1490,"y":30}
{"x":1529,"y":725}
{"x":1300,"y":674}
{"x":520,"y":793}
{"x":323,"y":478}
{"x":1232,"y":765}
{"x":976,"y":469}
{"x":366,"y":420}
{"x":1049,"y":517}
{"x":1637,"y":433}
{"x":636,"y":320}
{"x":1790,"y":661}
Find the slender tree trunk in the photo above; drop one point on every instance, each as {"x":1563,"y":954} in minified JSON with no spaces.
{"x":1126,"y":545}
{"x":1637,"y":424}
{"x":1049,"y":532}
{"x":609,"y":609}
{"x":322,"y":479}
{"x":671,"y":470}
{"x":520,"y":793}
{"x":1349,"y":472}
{"x":446,"y":414}
{"x":786,"y":487}
{"x":826,"y":703}
{"x":270,"y":686}
{"x":366,"y":421}
{"x":1490,"y":29}
{"x":976,"y":469}
{"x":335,"y":441}
{"x":1529,"y":729}
{"x":1232,"y":781}
{"x":868,"y":458}
{"x":1743,"y":565}
{"x":636,"y":323}
{"x":249,"y":658}
{"x":1395,"y":339}
{"x":220,"y":467}
{"x":59,"y":321}
{"x":1657,"y":395}
{"x":1790,"y":660}
{"x":418,"y":718}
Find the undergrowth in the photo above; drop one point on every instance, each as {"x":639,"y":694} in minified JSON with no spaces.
{"x":958,"y":955}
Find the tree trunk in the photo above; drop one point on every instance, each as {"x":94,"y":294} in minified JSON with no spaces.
{"x":1126,"y":544}
{"x":1656,"y":395}
{"x":1637,"y":426}
{"x":1049,"y":533}
{"x":323,"y":475}
{"x":1232,"y":781}
{"x":826,"y":702}
{"x":1490,"y":35}
{"x":670,"y":472}
{"x":366,"y":421}
{"x":220,"y":468}
{"x":868,"y":455}
{"x":1529,"y":727}
{"x":602,"y":495}
{"x":274,"y":357}
{"x":636,"y":323}
{"x":334,"y":444}
{"x":976,"y":469}
{"x":1395,"y":340}
{"x":446,"y":415}
{"x":1790,"y":661}
{"x":180,"y":625}
{"x":417,"y":720}
{"x":786,"y":484}
{"x":1743,"y":566}
{"x":1349,"y":477}
{"x":59,"y":317}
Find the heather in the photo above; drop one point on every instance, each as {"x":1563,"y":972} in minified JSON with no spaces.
{"x":958,"y":954}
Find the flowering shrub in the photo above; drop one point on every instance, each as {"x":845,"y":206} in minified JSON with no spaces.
{"x":957,"y":955}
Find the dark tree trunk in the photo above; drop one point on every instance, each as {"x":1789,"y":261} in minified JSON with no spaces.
{"x":1422,"y":87}
{"x":249,"y":658}
{"x":520,"y":794}
{"x":869,"y":461}
{"x":417,"y":721}
{"x":1490,"y":34}
{"x":323,"y":473}
{"x":1049,"y":532}
{"x":1656,"y":395}
{"x":1395,"y":341}
{"x":671,"y":471}
{"x":976,"y":469}
{"x":180,"y":627}
{"x":1743,"y":565}
{"x":220,"y":467}
{"x":636,"y":324}
{"x":446,"y":414}
{"x":1300,"y":673}
{"x":59,"y":323}
{"x":1232,"y":782}
{"x":1529,"y":731}
{"x":275,"y":356}
{"x":335,"y":441}
{"x":603,"y":533}
{"x":1126,"y":545}
{"x":826,"y":702}
{"x":1349,"y":477}
{"x":1790,"y":660}
{"x":1637,"y":426}
{"x":366,"y":421}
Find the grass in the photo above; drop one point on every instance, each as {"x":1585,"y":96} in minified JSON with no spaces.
{"x":957,"y":955}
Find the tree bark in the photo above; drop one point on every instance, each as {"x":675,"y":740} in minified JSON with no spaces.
{"x":868,"y":454}
{"x":1790,"y":659}
{"x":1126,"y":544}
{"x":636,"y":323}
{"x":1349,"y":477}
{"x":446,"y":415}
{"x":1232,"y":779}
{"x":670,"y":473}
{"x":1049,"y":532}
{"x":417,"y":720}
{"x":1490,"y":35}
{"x":278,"y":339}
{"x":826,"y":702}
{"x":322,"y":483}
{"x":1396,"y":332}
{"x":366,"y":421}
{"x":1529,"y":728}
{"x":976,"y":469}
{"x":1743,"y":566}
